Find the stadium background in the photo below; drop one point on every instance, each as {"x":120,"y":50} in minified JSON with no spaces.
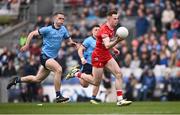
{"x":149,"y":58}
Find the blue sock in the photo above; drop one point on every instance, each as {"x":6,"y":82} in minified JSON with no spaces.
{"x":18,"y":80}
{"x":58,"y":93}
{"x":93,"y":97}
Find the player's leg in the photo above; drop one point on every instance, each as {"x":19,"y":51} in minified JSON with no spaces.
{"x":107,"y":84}
{"x":83,"y":83}
{"x":87,"y":70}
{"x":54,"y":66}
{"x":95,"y":91}
{"x":113,"y":67}
{"x":72,"y":72}
{"x":94,"y":94}
{"x":75,"y":72}
{"x":85,"y":79}
{"x":95,"y":79}
{"x":41,"y":75}
{"x":86,"y":73}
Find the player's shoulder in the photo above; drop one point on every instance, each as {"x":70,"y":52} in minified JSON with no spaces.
{"x":103,"y":28}
{"x":49,"y":27}
{"x":89,"y":38}
{"x":45,"y":27}
{"x":63,"y":27}
{"x":86,"y":40}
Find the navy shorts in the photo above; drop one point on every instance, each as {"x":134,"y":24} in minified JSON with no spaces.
{"x":43,"y":59}
{"x":87,"y":68}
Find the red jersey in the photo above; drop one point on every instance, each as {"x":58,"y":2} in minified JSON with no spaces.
{"x":102,"y":52}
{"x":101,"y":55}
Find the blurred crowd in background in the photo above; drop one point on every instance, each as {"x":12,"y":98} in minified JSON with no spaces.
{"x":150,"y":61}
{"x":11,"y":8}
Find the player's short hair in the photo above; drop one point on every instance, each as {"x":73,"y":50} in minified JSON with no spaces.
{"x":110,"y":13}
{"x":95,"y":26}
{"x":56,"y":13}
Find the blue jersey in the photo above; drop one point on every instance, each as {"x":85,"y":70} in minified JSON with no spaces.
{"x":52,"y":39}
{"x":89,"y":43}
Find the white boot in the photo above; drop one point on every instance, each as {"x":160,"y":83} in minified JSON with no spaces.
{"x":123,"y":102}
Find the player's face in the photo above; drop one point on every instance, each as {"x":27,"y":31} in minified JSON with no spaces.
{"x":59,"y":19}
{"x":114,"y":19}
{"x":95,"y":31}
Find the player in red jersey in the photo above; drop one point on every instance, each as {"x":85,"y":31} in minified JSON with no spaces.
{"x":102,"y":58}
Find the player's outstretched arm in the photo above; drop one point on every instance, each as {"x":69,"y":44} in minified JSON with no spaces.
{"x":80,"y":53}
{"x":110,"y":44}
{"x":72,"y":43}
{"x":30,"y":36}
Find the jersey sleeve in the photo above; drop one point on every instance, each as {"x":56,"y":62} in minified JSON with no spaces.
{"x":43,"y":31}
{"x":86,"y":43}
{"x":66,"y":34}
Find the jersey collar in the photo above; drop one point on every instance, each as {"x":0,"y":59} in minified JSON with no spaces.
{"x":55,"y":27}
{"x":93,"y":37}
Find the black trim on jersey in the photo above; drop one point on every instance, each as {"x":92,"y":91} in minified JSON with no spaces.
{"x":41,"y":36}
{"x":39,"y":33}
{"x":84,"y":46}
{"x":67,"y":37}
{"x":93,"y":37}
{"x":55,"y":27}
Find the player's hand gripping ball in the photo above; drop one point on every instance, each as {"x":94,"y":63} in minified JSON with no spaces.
{"x":122,"y":32}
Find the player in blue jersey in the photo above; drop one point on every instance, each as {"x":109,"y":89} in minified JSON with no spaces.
{"x":52,"y":36}
{"x":85,"y":53}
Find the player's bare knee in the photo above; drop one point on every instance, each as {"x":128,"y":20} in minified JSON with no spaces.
{"x":58,"y":70}
{"x":85,"y":85}
{"x":119,"y":75}
{"x":96,"y":83}
{"x":36,"y":80}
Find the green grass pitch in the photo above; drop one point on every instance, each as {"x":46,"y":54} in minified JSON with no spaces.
{"x":87,"y":108}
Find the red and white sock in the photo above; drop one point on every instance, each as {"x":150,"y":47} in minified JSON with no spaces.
{"x":78,"y":74}
{"x":119,"y":95}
